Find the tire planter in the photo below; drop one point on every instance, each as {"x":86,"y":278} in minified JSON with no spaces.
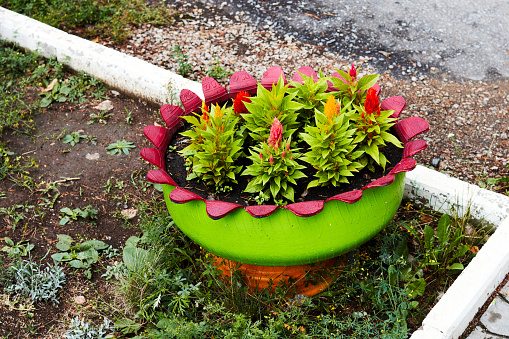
{"x":267,"y":235}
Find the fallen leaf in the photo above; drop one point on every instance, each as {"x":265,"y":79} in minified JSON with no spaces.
{"x":105,"y":105}
{"x":95,"y":40}
{"x":50,"y":86}
{"x":129,"y":213}
{"x":156,"y":124}
{"x":79,"y":300}
{"x":313,"y":16}
{"x":385,"y":54}
{"x":474,"y":249}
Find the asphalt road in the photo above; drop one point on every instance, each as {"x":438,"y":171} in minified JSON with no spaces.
{"x":457,"y":39}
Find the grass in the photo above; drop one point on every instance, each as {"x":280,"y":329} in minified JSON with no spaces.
{"x":173,"y":286}
{"x":111,"y":19}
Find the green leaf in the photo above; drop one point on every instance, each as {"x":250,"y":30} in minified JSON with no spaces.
{"x":64,"y":220}
{"x":393,"y":275}
{"x":76,"y":263}
{"x":127,"y":326}
{"x":8,"y":241}
{"x":367,"y":81}
{"x":428,"y":236}
{"x":61,"y":257}
{"x":456,"y":266}
{"x":443,"y":230}
{"x":97,"y":244}
{"x":416,"y":288}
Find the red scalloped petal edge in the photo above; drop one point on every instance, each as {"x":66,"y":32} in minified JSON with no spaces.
{"x":160,"y":176}
{"x":271,"y":76}
{"x":218,"y":209}
{"x":348,"y":197}
{"x":242,"y":81}
{"x":153,"y":156}
{"x":158,"y":136}
{"x":214,"y":93}
{"x":171,"y":115}
{"x":405,"y":165}
{"x":410,"y":127}
{"x":261,"y":211}
{"x":405,"y":129}
{"x":396,"y":103}
{"x":181,"y":196}
{"x":306,"y":208}
{"x":307,"y":71}
{"x":413,"y":147}
{"x":190,"y":100}
{"x":383,"y":181}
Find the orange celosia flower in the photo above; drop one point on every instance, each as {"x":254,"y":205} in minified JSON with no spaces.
{"x":330,"y":108}
{"x":205,"y":116}
{"x":238,"y":103}
{"x":372,"y":104}
{"x":218,"y":113}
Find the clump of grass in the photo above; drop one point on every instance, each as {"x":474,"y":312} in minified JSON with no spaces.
{"x":108,"y":18}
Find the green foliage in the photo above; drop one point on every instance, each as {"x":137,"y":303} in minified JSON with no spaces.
{"x":66,"y":214}
{"x":73,"y":138}
{"x":217,"y":71}
{"x":331,"y":148}
{"x":80,"y":255}
{"x":311,"y":95}
{"x":17,"y":250}
{"x":112,"y":19}
{"x":79,"y":329}
{"x":266,"y":106}
{"x":183,"y":66}
{"x":214,"y":147}
{"x":274,"y":170}
{"x":100,"y":117}
{"x":28,"y":279}
{"x":120,"y":146}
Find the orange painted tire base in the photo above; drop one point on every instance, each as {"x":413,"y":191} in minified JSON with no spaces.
{"x":308,"y":279}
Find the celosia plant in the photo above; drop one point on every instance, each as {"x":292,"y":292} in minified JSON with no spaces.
{"x":274,"y":166}
{"x":337,"y":120}
{"x":331,"y":146}
{"x":214,"y":146}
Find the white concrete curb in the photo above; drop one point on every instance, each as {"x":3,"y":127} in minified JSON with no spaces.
{"x":451,"y":315}
{"x":126,"y":73}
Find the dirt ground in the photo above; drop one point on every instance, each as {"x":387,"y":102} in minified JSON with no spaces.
{"x":81,"y":174}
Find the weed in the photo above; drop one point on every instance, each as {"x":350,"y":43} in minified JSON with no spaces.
{"x":217,"y":71}
{"x":66,"y":214}
{"x":128,"y":119}
{"x":79,"y":329}
{"x":17,"y":250}
{"x":80,"y":256}
{"x":27,"y":279}
{"x":119,"y":147}
{"x":183,"y":66}
{"x":100,"y":117}
{"x":73,"y":138}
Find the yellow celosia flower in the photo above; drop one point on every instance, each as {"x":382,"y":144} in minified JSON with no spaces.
{"x":330,"y":108}
{"x":218,"y":113}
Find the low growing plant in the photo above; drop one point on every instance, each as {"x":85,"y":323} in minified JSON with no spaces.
{"x":66,"y":214}
{"x":79,"y":329}
{"x":15,"y":250}
{"x":119,"y":147}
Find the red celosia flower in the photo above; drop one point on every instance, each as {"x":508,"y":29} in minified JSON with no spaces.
{"x":238,"y":103}
{"x":261,"y":155}
{"x":353,"y":73}
{"x":205,"y":117}
{"x":271,"y":159}
{"x":283,"y":154}
{"x":276,"y":134}
{"x":372,"y":104}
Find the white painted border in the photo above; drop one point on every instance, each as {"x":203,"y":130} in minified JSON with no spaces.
{"x":451,"y":315}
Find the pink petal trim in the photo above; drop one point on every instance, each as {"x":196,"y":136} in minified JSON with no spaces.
{"x":213,"y":91}
{"x":348,"y":197}
{"x":383,"y":181}
{"x":242,"y":81}
{"x":404,"y":165}
{"x":160,"y":176}
{"x":306,"y":70}
{"x":218,"y":209}
{"x":191,"y":101}
{"x":306,"y":208}
{"x":271,"y":76}
{"x":413,"y":147}
{"x":260,"y":211}
{"x":172,"y":116}
{"x":410,"y":127}
{"x":158,"y":136}
{"x":396,"y":103}
{"x":181,"y":196}
{"x":153,"y":156}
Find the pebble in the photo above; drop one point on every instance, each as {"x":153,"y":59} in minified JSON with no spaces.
{"x":79,"y":300}
{"x":93,"y":156}
{"x":503,"y":136}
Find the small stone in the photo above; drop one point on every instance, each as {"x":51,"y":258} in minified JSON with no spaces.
{"x":115,"y":93}
{"x":94,"y":156}
{"x":79,"y":300}
{"x":435,"y":162}
{"x":503,"y":135}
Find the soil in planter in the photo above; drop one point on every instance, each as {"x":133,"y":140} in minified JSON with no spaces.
{"x":175,"y":166}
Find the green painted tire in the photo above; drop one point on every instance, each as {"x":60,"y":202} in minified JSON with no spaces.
{"x":284,"y":239}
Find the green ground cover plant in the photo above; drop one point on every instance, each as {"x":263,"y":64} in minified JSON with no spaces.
{"x":386,"y":287}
